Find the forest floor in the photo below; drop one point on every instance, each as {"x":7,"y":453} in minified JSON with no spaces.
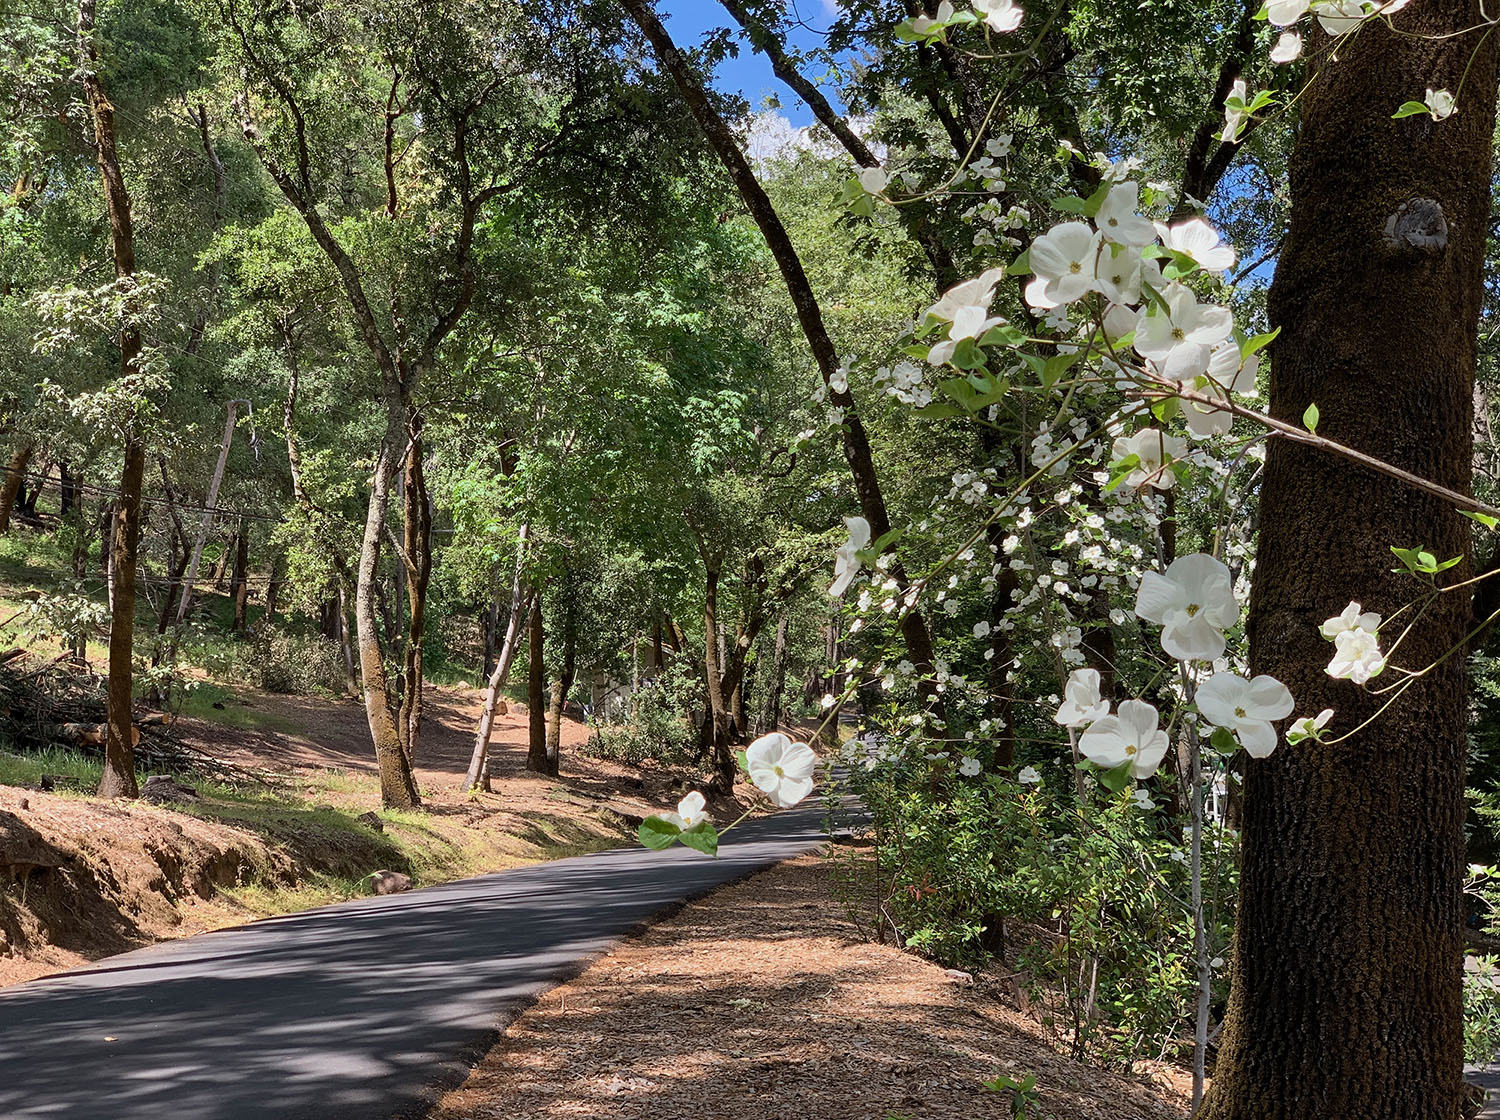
{"x":762,"y":1000}
{"x":127,"y":874}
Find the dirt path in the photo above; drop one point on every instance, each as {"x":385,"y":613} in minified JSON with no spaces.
{"x":759,"y":1001}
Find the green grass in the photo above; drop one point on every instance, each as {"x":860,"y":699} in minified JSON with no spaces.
{"x":198,"y":702}
{"x":27,"y":769}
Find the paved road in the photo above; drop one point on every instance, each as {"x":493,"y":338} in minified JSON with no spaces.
{"x":360,"y":1011}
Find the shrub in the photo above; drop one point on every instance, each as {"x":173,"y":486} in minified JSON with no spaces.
{"x":659,"y":723}
{"x":295,"y":664}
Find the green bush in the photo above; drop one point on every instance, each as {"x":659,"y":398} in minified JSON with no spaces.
{"x":1086,"y":902}
{"x":659,"y":723}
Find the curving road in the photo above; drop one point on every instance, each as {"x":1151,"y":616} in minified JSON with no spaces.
{"x":360,"y":1011}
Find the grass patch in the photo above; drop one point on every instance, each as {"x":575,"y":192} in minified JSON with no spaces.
{"x":199,"y":703}
{"x":26,"y":769}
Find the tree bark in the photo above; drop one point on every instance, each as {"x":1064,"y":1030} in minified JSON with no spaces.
{"x":1347,"y":999}
{"x":15,"y":475}
{"x":536,"y":693}
{"x":770,"y":717}
{"x":718,"y":713}
{"x":208,"y":513}
{"x":520,"y":605}
{"x":118,"y":779}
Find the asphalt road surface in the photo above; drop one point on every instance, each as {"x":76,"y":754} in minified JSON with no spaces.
{"x":360,"y":1011}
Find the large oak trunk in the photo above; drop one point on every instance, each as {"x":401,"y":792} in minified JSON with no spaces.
{"x":1347,"y":978}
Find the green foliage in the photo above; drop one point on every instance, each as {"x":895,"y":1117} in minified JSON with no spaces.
{"x":1086,"y":903}
{"x":658,"y":724}
{"x":296,"y":664}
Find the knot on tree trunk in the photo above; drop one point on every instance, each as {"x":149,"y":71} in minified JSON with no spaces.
{"x":1418,"y":224}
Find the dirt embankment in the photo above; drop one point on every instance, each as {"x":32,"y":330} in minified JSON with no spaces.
{"x":81,"y":879}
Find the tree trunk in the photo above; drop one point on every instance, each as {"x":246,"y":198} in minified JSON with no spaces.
{"x":560,"y":686}
{"x":856,"y":443}
{"x":239,"y":581}
{"x":770,"y":716}
{"x":1347,"y":999}
{"x":68,"y":486}
{"x":398,"y":788}
{"x":478,"y":775}
{"x":536,"y":698}
{"x":208,"y":514}
{"x":15,"y":475}
{"x":417,"y":561}
{"x":118,"y":779}
{"x":273,"y":585}
{"x":718,"y":713}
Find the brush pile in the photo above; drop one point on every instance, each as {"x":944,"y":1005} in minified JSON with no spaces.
{"x":58,"y":703}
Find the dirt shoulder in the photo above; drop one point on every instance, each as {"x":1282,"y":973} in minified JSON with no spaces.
{"x":759,"y":1001}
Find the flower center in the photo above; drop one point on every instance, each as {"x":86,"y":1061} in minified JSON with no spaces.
{"x":778,"y":771}
{"x":1193,"y":608}
{"x":1178,"y":334}
{"x":1131,"y":750}
{"x":1075,"y":266}
{"x":1240,"y":712}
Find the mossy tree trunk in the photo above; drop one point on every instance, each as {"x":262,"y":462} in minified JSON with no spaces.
{"x":1347,"y":997}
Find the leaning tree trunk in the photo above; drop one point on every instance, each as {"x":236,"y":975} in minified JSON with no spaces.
{"x":398,"y":788}
{"x":478,"y":776}
{"x":536,"y":698}
{"x":1347,"y":999}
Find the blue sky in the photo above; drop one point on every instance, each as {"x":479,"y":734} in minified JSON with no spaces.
{"x":749,"y":74}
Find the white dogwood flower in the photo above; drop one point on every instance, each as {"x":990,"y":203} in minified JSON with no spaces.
{"x":1063,"y":260}
{"x":1081,"y":702}
{"x":1308,"y":727}
{"x":1117,"y":218}
{"x":1248,"y":708}
{"x":1000,"y":15}
{"x":1285,"y":13}
{"x":970,"y":767}
{"x":1199,"y":240}
{"x":780,"y":768}
{"x":1133,"y":735}
{"x":1179,"y":338}
{"x":1155,"y":449}
{"x":1193,"y":602}
{"x":925,"y":24}
{"x":846,"y":567}
{"x":1440,"y":104}
{"x":1356,"y":656}
{"x":1234,"y":118}
{"x":874,"y":179}
{"x":1288,"y":48}
{"x":691,"y":812}
{"x":1352,"y":617}
{"x":1029,"y":776}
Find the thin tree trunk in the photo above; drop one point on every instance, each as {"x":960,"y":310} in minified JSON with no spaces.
{"x":520,"y":604}
{"x":560,"y":686}
{"x":1348,"y":958}
{"x":273,"y":585}
{"x":770,"y":717}
{"x":15,"y":475}
{"x":239,"y":581}
{"x":68,"y":485}
{"x":718,"y":714}
{"x":208,"y":514}
{"x":536,"y":693}
{"x":118,"y":779}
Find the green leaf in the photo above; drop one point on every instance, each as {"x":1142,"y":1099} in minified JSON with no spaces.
{"x":1021,"y":266}
{"x":1095,"y":202}
{"x":1115,"y":780}
{"x":1310,"y":418}
{"x":1119,"y":471}
{"x":1071,"y":205}
{"x":702,"y":838}
{"x":1255,"y":345}
{"x":1002,"y":335}
{"x":1166,"y":408}
{"x":883,"y":542}
{"x":1410,"y":109}
{"x":1223,"y":741}
{"x":937,"y":410}
{"x":658,"y":833}
{"x":1483,"y":518}
{"x":744,"y":761}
